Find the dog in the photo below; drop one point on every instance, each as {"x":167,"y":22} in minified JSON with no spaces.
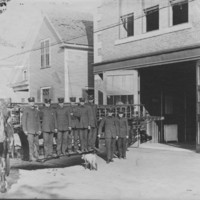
{"x":90,"y":161}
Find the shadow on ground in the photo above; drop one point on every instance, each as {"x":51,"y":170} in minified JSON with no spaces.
{"x":187,"y":146}
{"x":64,"y":161}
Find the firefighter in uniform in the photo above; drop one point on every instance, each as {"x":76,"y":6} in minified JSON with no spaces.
{"x":32,"y":128}
{"x":63,"y":128}
{"x":122,"y":124}
{"x":85,"y":114}
{"x":111,"y":134}
{"x":93,"y":130}
{"x":48,"y":118}
{"x":73,"y":109}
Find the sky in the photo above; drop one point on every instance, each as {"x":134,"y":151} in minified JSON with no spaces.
{"x":22,"y":16}
{"x":82,"y":5}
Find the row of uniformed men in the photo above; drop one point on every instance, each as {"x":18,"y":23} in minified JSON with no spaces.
{"x":73,"y":122}
{"x":68,"y":122}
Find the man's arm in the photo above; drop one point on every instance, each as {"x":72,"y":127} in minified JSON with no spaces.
{"x":101,"y":126}
{"x":38,"y":122}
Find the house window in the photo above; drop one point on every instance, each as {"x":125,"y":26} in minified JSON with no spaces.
{"x":127,"y":25}
{"x":25,"y":75}
{"x":45,"y":53}
{"x":120,"y":99}
{"x":45,"y":93}
{"x":179,"y":12}
{"x":152,"y":18}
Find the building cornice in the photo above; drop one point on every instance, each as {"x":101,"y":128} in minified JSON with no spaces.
{"x":169,"y":56}
{"x":148,"y":54}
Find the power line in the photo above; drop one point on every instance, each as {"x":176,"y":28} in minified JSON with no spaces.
{"x":99,"y":30}
{"x":139,"y":17}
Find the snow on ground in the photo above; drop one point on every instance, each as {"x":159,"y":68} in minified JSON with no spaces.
{"x":146,"y":174}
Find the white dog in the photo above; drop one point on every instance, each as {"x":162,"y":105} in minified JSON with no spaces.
{"x":90,"y":161}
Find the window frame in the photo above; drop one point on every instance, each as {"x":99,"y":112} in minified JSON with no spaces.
{"x":125,"y":24}
{"x":149,"y":11}
{"x":45,"y":51}
{"x":176,"y":3}
{"x":41,"y":92}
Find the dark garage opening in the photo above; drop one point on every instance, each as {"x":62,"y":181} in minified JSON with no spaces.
{"x":170,"y":91}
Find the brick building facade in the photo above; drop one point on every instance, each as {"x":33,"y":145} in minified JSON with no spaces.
{"x":158,"y":42}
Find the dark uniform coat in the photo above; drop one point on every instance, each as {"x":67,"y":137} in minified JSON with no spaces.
{"x":122,"y":125}
{"x":111,"y":129}
{"x":63,"y":119}
{"x":31,"y":120}
{"x":48,"y":117}
{"x":85,"y":114}
{"x":94,"y":114}
{"x":74,"y":118}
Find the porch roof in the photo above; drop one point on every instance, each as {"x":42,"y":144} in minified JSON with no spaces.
{"x":169,"y":56}
{"x":20,"y":86}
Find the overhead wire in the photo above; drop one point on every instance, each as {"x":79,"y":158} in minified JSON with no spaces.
{"x":84,"y":35}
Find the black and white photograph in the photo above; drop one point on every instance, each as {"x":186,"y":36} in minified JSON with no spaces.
{"x":100,"y":99}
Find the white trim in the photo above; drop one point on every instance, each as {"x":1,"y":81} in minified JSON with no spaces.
{"x":76,"y":46}
{"x":155,"y":33}
{"x":52,"y":26}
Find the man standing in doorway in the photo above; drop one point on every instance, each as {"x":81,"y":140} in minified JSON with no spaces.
{"x":93,"y":130}
{"x":48,"y":127}
{"x":32,"y":128}
{"x":85,"y":114}
{"x":63,"y":128}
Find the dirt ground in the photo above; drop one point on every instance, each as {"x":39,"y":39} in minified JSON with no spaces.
{"x":147,"y":173}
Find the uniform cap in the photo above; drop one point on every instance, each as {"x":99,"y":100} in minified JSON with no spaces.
{"x":61,"y":100}
{"x":82,"y":99}
{"x":90,"y":97}
{"x":31,"y":99}
{"x":47,"y":101}
{"x":72,"y":99}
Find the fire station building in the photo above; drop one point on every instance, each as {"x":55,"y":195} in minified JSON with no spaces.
{"x":148,"y":52}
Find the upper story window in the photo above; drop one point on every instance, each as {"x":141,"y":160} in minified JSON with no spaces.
{"x":126,"y":18}
{"x":179,"y":11}
{"x":45,"y":53}
{"x":127,"y":25}
{"x":152,"y":18}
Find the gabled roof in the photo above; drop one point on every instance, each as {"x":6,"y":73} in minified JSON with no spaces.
{"x":73,"y":27}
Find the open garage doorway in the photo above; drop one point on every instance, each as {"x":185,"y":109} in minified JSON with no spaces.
{"x":170,"y":91}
